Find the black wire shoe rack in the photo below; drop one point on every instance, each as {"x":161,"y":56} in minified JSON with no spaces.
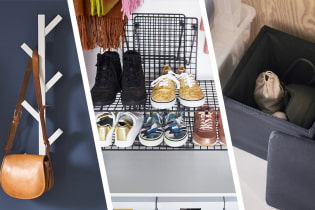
{"x":189,"y":120}
{"x":164,"y":39}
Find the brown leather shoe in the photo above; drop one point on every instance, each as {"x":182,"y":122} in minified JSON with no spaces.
{"x":221,"y":130}
{"x":204,"y":133}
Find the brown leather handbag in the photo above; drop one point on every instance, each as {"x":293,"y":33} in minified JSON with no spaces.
{"x":27,"y":176}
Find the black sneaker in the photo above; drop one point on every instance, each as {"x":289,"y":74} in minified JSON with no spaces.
{"x":107,"y":81}
{"x":132,"y":82}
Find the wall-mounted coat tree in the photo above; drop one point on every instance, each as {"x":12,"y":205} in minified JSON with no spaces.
{"x":43,"y":31}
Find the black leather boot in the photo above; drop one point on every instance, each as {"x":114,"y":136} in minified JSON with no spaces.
{"x":107,"y":81}
{"x":132,"y":82}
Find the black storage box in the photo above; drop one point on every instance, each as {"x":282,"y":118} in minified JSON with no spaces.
{"x":250,"y":128}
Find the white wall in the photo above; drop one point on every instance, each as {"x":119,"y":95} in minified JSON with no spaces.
{"x":190,"y":8}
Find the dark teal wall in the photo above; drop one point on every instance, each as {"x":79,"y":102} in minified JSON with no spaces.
{"x":77,"y":178}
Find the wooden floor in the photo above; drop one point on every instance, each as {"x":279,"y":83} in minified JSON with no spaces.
{"x":296,"y":17}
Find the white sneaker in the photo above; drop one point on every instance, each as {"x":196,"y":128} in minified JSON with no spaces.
{"x":127,"y":127}
{"x":105,"y":125}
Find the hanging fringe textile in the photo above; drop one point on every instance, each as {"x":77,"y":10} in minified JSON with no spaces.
{"x":128,"y":6}
{"x":106,"y":31}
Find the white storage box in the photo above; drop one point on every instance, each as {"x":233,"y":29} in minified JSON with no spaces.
{"x":230,"y":45}
{"x":228,"y":12}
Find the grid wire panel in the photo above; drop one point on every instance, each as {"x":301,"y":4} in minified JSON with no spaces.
{"x":188,"y":146}
{"x":207,"y":86}
{"x":163,"y":39}
{"x":160,"y":39}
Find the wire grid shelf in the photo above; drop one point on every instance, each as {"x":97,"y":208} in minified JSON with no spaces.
{"x":207,"y":86}
{"x":161,"y":39}
{"x":188,"y":146}
{"x":164,"y":39}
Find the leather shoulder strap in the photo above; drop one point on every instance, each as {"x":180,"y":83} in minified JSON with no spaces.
{"x":41,"y":107}
{"x":32,"y":65}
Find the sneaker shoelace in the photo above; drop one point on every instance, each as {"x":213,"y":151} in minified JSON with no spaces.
{"x":189,"y":79}
{"x":176,"y":120}
{"x":164,"y":80}
{"x":206,"y":121}
{"x":179,"y":122}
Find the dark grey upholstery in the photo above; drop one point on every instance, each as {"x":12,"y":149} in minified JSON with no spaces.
{"x":290,"y":172}
{"x":272,"y":50}
{"x":250,"y":128}
{"x":291,"y":155}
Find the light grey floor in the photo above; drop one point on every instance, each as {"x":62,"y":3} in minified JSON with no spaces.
{"x":252,"y":173}
{"x":168,"y":172}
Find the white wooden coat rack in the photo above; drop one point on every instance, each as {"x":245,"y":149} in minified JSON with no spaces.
{"x":43,"y":31}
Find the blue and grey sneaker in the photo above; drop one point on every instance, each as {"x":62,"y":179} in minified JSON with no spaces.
{"x":151,"y":133}
{"x":175,"y":130}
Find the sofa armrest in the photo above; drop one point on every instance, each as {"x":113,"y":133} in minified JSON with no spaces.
{"x":290,"y":172}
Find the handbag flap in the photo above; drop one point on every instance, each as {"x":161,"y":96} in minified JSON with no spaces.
{"x":23,"y":175}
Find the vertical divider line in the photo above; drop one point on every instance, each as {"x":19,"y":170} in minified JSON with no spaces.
{"x":42,"y":57}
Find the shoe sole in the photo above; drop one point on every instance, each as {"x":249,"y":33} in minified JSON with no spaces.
{"x":124,"y":143}
{"x":177,"y":143}
{"x":222,"y":143}
{"x":103,"y":103}
{"x":162,"y":105}
{"x":199,"y":142}
{"x":203,"y":145}
{"x":191,"y":103}
{"x":106,"y":143}
{"x":151,"y":143}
